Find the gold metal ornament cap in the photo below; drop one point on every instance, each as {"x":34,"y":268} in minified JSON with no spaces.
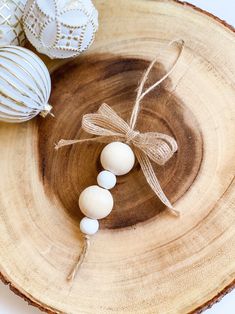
{"x":46,"y":110}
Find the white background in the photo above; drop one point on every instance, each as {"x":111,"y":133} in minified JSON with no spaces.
{"x":11,"y":304}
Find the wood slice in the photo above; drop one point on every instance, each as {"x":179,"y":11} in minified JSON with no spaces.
{"x":143,"y":260}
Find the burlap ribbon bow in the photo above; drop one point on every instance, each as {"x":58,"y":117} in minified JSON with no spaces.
{"x":106,"y":124}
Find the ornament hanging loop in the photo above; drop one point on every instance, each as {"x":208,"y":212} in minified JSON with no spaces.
{"x":140,"y":93}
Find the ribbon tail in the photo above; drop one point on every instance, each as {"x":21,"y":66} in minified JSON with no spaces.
{"x":152,"y":180}
{"x":63,"y":143}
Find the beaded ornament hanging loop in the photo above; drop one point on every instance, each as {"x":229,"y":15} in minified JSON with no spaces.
{"x":118,"y":157}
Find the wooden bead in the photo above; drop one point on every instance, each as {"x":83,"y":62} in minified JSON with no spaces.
{"x":96,"y":202}
{"x":118,"y":158}
{"x":106,"y":179}
{"x":89,"y":226}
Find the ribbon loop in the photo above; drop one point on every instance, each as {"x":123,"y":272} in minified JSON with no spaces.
{"x":106,"y":122}
{"x":158,"y":147}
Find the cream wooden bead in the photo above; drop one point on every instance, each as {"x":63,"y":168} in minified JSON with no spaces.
{"x":89,"y":226}
{"x":96,"y":202}
{"x":106,"y":180}
{"x":118,"y":158}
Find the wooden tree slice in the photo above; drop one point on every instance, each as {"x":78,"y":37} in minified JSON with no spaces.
{"x":143,"y":260}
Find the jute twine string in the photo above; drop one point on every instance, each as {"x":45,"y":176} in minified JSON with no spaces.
{"x":81,"y":258}
{"x":107,"y":125}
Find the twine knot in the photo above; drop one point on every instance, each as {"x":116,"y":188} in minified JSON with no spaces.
{"x":107,"y":125}
{"x":131,"y":135}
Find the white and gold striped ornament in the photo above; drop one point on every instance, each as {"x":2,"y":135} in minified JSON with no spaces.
{"x":60,"y":28}
{"x":11,"y":28}
{"x":25,"y":85}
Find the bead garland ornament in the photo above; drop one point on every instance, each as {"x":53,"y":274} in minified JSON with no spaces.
{"x":11,"y":29}
{"x":25,"y":85}
{"x":118,"y":158}
{"x":60,"y":29}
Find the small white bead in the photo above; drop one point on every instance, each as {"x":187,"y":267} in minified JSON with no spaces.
{"x":106,"y":180}
{"x":89,"y":226}
{"x":96,"y":202}
{"x":118,"y":158}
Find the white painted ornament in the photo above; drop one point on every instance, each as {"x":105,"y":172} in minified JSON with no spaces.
{"x":106,"y":179}
{"x":11,"y":29}
{"x":60,"y":29}
{"x":96,"y":202}
{"x":25,"y":85}
{"x":118,"y":158}
{"x":89,"y":226}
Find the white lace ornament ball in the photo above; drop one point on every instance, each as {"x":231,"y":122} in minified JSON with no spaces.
{"x":25,"y":85}
{"x":11,"y":29}
{"x":60,"y":28}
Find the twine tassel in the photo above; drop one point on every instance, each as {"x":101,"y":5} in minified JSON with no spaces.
{"x":81,"y":258}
